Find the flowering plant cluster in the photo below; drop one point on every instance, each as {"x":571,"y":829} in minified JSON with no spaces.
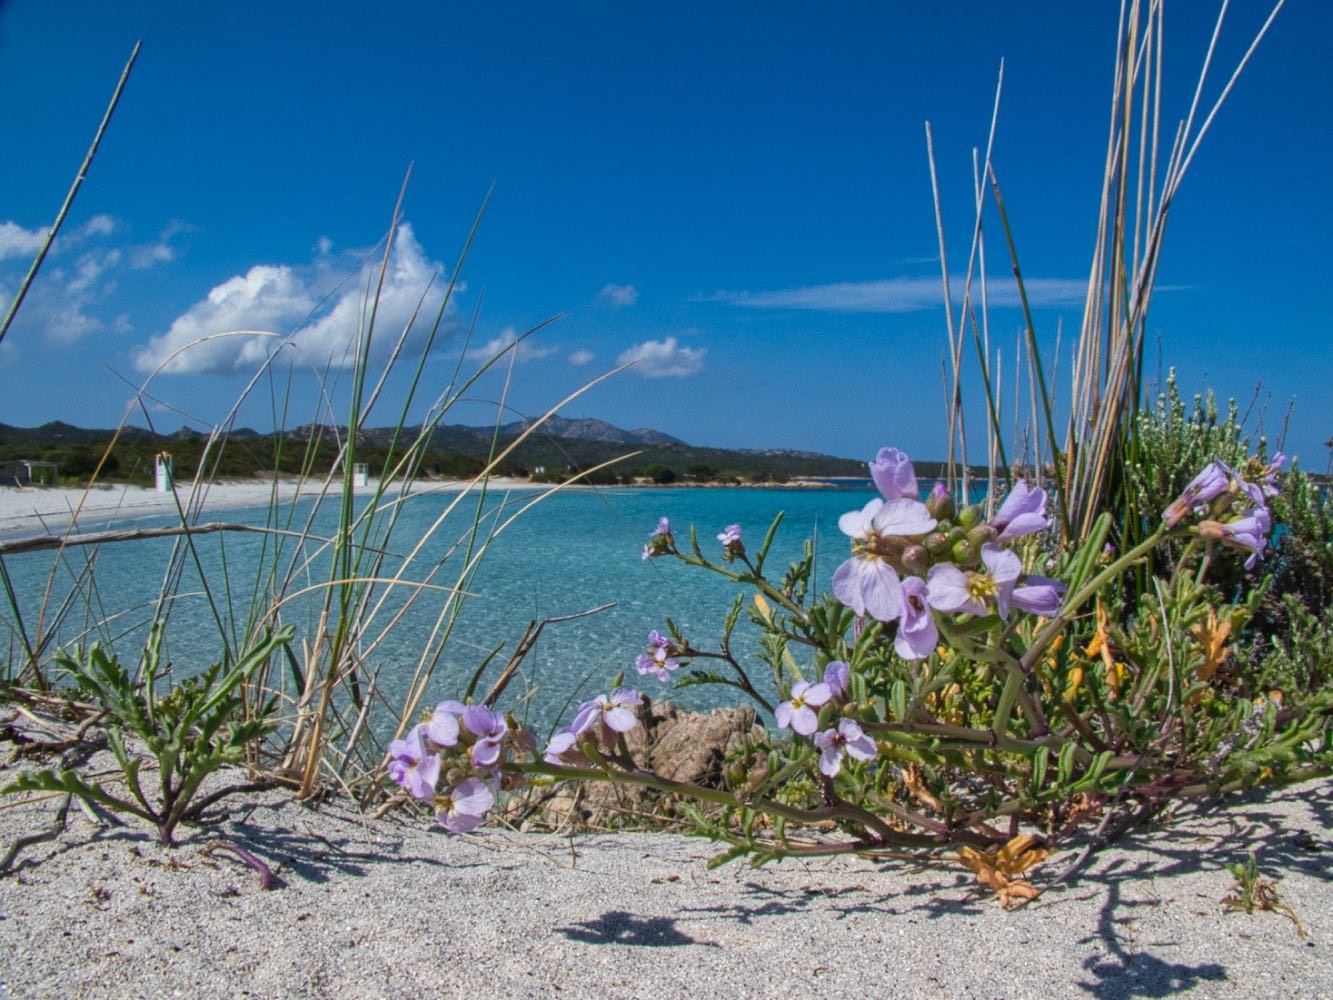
{"x":913,"y":562}
{"x":944,"y":693}
{"x":1234,"y":509}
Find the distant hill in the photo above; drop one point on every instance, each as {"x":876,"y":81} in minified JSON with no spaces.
{"x":591,"y":430}
{"x":557,"y":447}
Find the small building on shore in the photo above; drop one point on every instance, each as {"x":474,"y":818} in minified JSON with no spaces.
{"x":26,"y":472}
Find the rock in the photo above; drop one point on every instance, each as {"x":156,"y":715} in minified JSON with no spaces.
{"x":691,"y":747}
{"x":682,"y":746}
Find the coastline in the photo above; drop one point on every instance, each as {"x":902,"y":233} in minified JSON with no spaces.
{"x":48,"y":510}
{"x":51,"y":510}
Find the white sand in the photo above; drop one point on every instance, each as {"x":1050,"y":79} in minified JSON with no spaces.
{"x":397,"y":908}
{"x":41,"y":510}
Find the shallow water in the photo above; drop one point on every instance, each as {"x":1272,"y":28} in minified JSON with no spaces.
{"x":570,"y":553}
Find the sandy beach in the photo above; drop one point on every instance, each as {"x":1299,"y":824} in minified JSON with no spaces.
{"x":43,"y":510}
{"x":398,"y":908}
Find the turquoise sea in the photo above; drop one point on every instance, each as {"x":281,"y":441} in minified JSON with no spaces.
{"x":570,"y":553}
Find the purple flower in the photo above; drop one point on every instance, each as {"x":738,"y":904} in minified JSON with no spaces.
{"x":463,"y":808}
{"x":867,"y":583}
{"x":1022,"y":513}
{"x":489,"y":728}
{"x":730,"y":535}
{"x":847,"y":740}
{"x":413,"y":768}
{"x":1208,"y":485}
{"x":1268,"y":475}
{"x":797,"y":712}
{"x":442,"y":727}
{"x":901,"y":518}
{"x":1248,"y":533}
{"x":893,"y":474}
{"x":661,"y":541}
{"x":657,"y":660}
{"x":949,"y":588}
{"x":837,"y":678}
{"x":564,"y":748}
{"x":611,"y":714}
{"x":917,"y":635}
{"x":1039,"y":595}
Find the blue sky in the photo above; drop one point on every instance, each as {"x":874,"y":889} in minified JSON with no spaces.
{"x":737,"y":194}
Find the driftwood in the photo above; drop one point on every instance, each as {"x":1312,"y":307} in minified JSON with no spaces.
{"x":39,"y":543}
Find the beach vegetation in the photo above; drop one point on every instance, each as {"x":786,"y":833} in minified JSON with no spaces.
{"x":189,"y":729}
{"x":1130,"y":607}
{"x":1095,"y":643}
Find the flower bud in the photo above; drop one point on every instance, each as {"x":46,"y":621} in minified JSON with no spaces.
{"x":937,"y":544}
{"x":969,"y":516}
{"x":957,"y":534}
{"x":940,"y":503}
{"x":980,"y":535}
{"x":965,"y":553}
{"x":916,"y":559}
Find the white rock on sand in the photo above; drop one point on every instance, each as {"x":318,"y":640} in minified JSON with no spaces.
{"x":398,"y":908}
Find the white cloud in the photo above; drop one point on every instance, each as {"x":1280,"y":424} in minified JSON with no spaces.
{"x":90,"y":267}
{"x":620,"y":295}
{"x":663,"y":359}
{"x":144,"y":257}
{"x":15,"y":241}
{"x":290,"y":302}
{"x":79,"y":276}
{"x":526,"y":351}
{"x":900,"y":295}
{"x":98,"y":225}
{"x":61,"y":303}
{"x":581,"y":357}
{"x":160,"y":251}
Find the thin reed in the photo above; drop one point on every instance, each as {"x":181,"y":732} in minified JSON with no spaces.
{"x":1089,"y":458}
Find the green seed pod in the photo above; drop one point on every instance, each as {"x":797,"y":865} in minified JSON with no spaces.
{"x":916,"y":559}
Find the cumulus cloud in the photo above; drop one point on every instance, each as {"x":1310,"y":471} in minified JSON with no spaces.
{"x":663,"y":359}
{"x":901,"y":295}
{"x":581,"y":357}
{"x":273,"y":305}
{"x":527,"y":350}
{"x":620,"y":295}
